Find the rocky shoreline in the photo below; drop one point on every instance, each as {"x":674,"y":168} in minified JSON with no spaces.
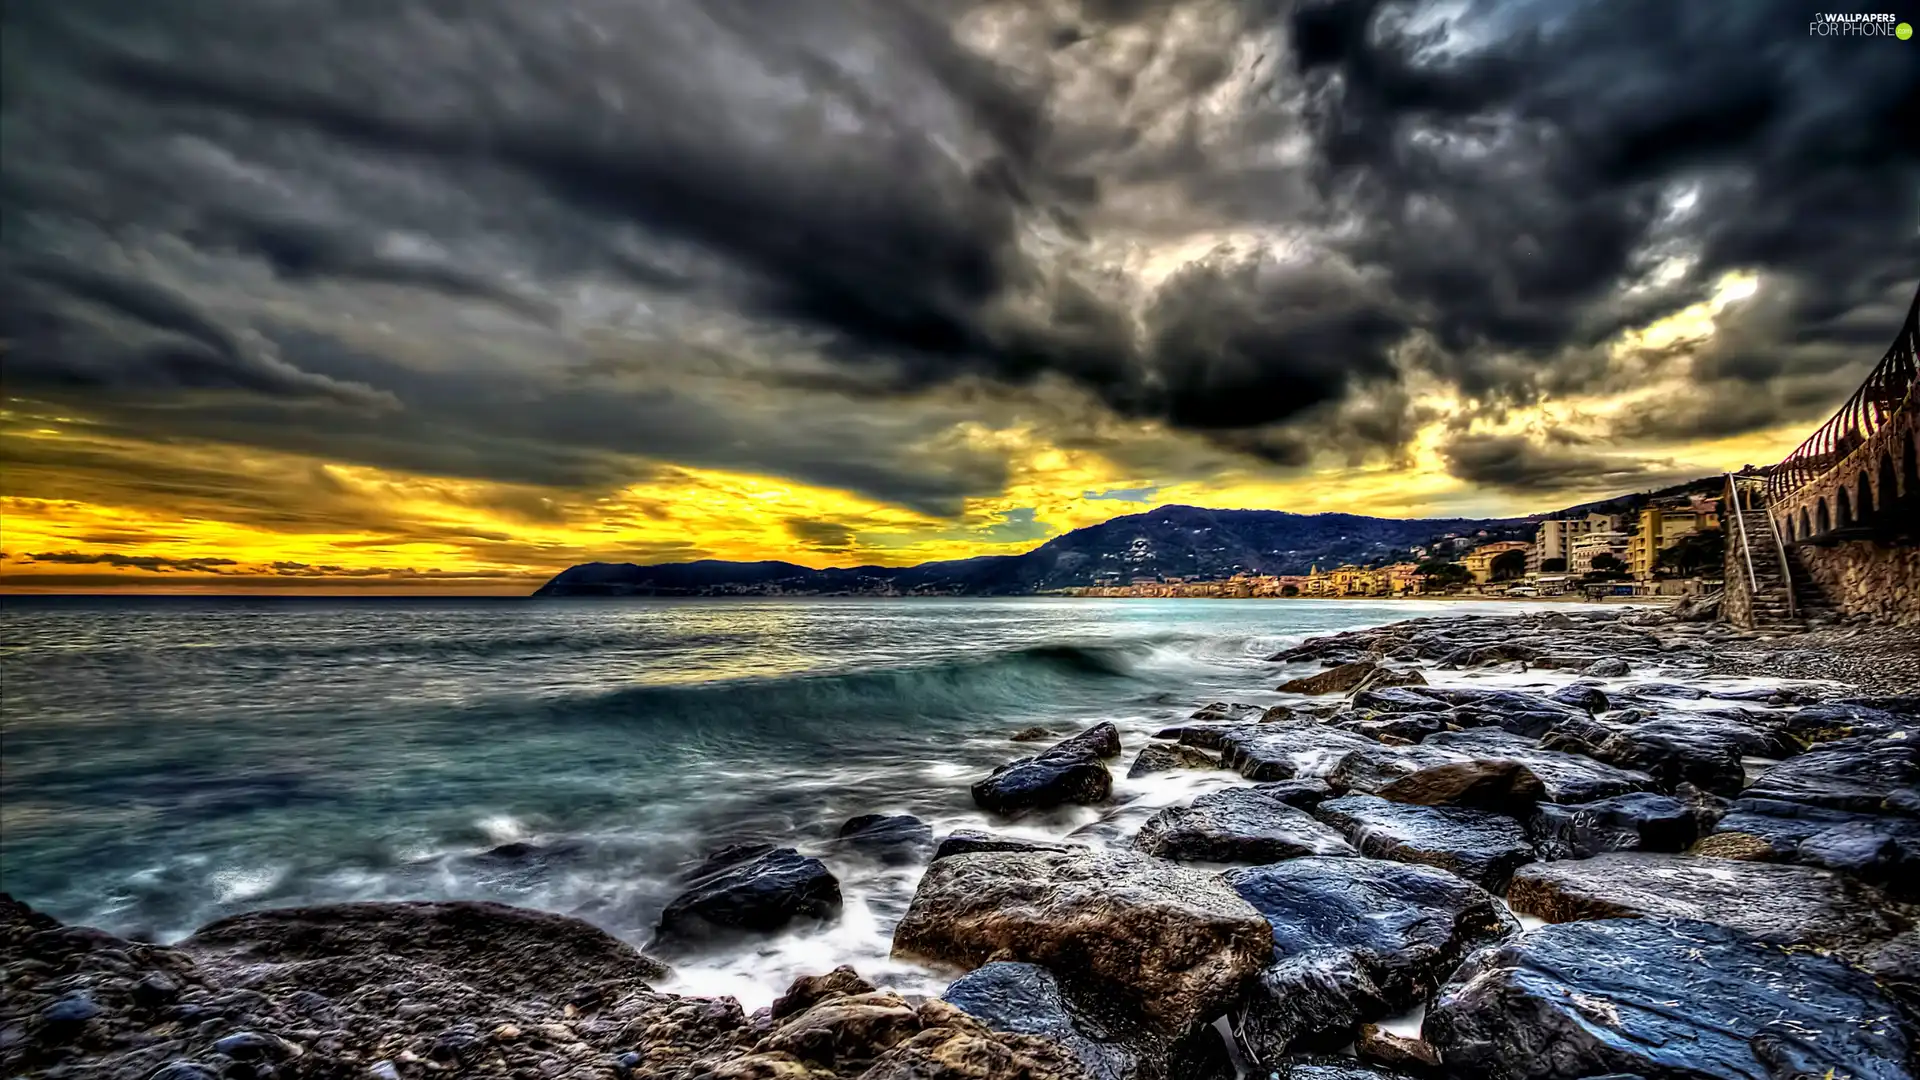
{"x":1549,"y":846}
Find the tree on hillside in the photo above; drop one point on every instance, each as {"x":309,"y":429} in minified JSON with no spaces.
{"x":1607,"y":567}
{"x":1553,"y":566}
{"x":1441,"y":574}
{"x":1508,"y":565}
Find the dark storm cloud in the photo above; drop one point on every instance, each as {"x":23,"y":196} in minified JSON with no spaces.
{"x":74,"y":326}
{"x":560,"y":243}
{"x":1514,"y":172}
{"x":152,"y":563}
{"x":1519,"y":464}
{"x":821,"y":534}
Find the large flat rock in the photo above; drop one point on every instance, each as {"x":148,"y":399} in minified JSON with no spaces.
{"x":1776,"y":902}
{"x":1637,"y":821}
{"x":1480,"y":846}
{"x":1565,"y":778}
{"x":1355,"y":940}
{"x":1174,"y":945}
{"x":1868,"y":775}
{"x":1289,"y":748}
{"x":1237,"y":825}
{"x":1881,"y":849}
{"x":1662,"y":998}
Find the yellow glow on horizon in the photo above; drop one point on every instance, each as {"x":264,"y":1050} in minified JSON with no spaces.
{"x":108,"y":512}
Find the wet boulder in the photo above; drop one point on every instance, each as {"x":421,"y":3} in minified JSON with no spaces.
{"x":1305,"y":792}
{"x":1370,"y":768}
{"x":966,"y":841}
{"x":1861,"y":774}
{"x":338,"y":947}
{"x":891,"y":838}
{"x":1499,"y":784}
{"x":1344,"y":678}
{"x":1842,"y":720}
{"x":1882,"y":849}
{"x":1167,"y":757}
{"x":1397,"y":699}
{"x":1202,"y":736}
{"x":1674,"y":752}
{"x":1776,"y":902}
{"x":1285,"y":750}
{"x":1031,"y":734}
{"x":1026,"y":999}
{"x":1228,"y":712}
{"x":1532,"y":715}
{"x":761,"y":895}
{"x":1564,"y":777}
{"x":1661,"y":998}
{"x":1070,"y":771}
{"x":1586,"y":697}
{"x":1172,"y":945}
{"x":1636,"y":821}
{"x":1237,"y":825}
{"x":1395,"y":728}
{"x":1480,"y":846}
{"x":1355,"y":940}
{"x":1608,"y":667}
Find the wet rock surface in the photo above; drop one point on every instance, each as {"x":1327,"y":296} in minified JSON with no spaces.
{"x":1564,"y":777}
{"x":1166,"y":757}
{"x":759,"y":895}
{"x":1787,"y":905}
{"x":1662,"y":998}
{"x":1637,"y":821}
{"x":1172,"y":944}
{"x":1480,"y":846}
{"x":411,"y":990}
{"x":1354,"y":940}
{"x":1070,"y":771}
{"x":1883,"y":849}
{"x":1862,"y":773}
{"x":890,"y":838}
{"x":1237,"y":825}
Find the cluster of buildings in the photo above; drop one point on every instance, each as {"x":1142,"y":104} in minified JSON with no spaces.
{"x":1559,"y":558}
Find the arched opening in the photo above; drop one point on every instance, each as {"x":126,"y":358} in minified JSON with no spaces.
{"x":1822,"y":518}
{"x":1842,"y":506}
{"x":1886,"y":487}
{"x":1805,"y":528}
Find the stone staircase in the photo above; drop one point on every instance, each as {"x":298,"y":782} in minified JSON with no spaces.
{"x":1772,"y":609}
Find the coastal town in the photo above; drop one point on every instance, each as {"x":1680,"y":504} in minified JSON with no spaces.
{"x":1670,"y":547}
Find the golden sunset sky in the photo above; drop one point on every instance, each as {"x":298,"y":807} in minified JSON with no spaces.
{"x":320,"y":299}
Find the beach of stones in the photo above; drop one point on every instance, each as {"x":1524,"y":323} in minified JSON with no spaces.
{"x":1551,"y":845}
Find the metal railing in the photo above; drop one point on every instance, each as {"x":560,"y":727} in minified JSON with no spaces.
{"x":1746,"y":550}
{"x":1889,"y":389}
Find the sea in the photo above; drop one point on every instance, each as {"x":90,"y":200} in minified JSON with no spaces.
{"x":168,"y":761}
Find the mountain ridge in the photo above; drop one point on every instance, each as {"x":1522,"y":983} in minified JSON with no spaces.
{"x":1168,"y":541}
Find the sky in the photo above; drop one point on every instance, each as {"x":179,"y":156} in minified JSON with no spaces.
{"x":337,"y":296}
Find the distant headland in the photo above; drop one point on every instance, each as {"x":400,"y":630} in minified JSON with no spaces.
{"x":1647,"y":542}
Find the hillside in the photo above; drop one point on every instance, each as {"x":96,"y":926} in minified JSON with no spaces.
{"x":1168,"y":541}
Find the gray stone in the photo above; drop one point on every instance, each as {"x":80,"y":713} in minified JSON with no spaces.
{"x":1775,"y":902}
{"x":1480,"y":846}
{"x":1237,"y":825}
{"x":1661,"y":998}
